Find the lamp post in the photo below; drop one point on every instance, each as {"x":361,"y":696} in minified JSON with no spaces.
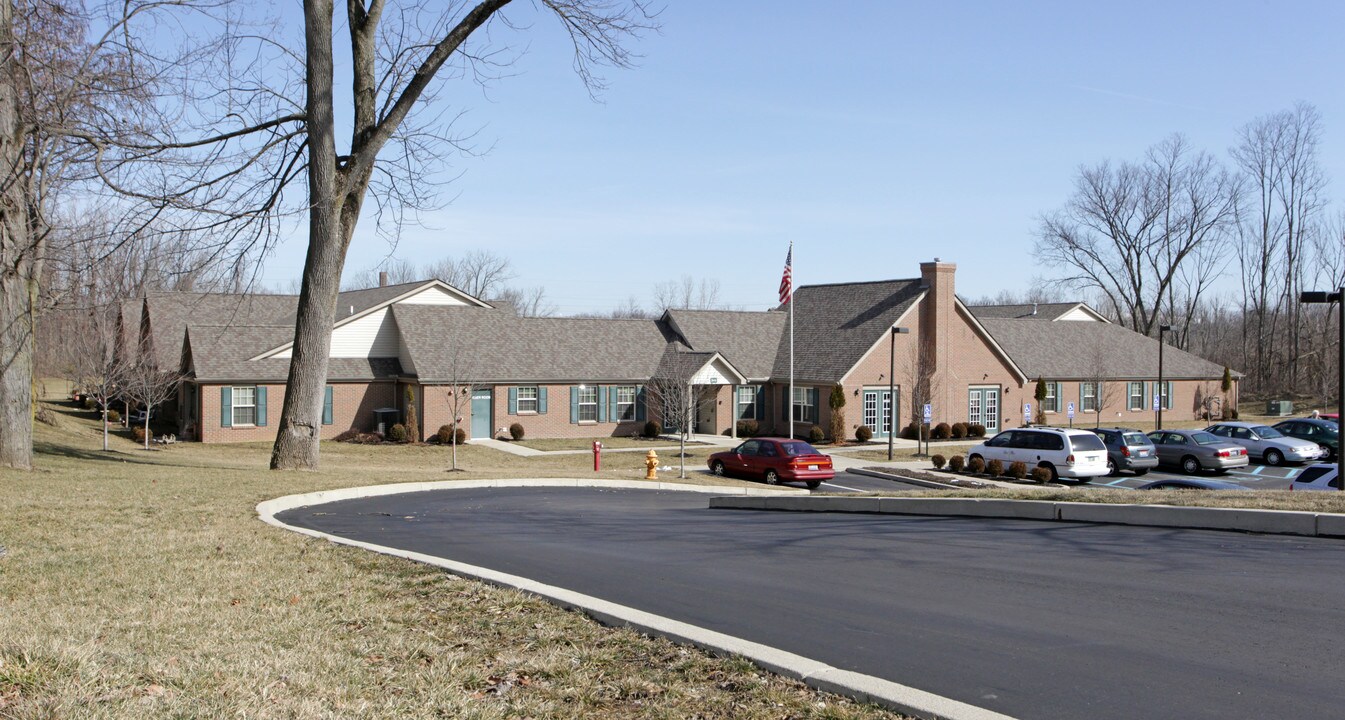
{"x":1318,"y":297}
{"x":892,"y":388}
{"x":1162,"y":399}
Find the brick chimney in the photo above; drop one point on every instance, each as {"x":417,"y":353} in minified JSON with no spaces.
{"x":937,"y":318}
{"x":382,"y":278}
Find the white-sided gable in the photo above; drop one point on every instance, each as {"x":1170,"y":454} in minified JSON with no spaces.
{"x":715,"y":372}
{"x":1078,"y":313}
{"x":372,"y":336}
{"x":433,"y":296}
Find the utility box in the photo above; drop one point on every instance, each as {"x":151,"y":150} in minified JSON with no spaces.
{"x":385,"y":418}
{"x":1279,"y":408}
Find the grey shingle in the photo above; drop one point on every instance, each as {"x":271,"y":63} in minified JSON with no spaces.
{"x":835,"y":325}
{"x":1044,"y":311}
{"x":1069,"y":351}
{"x":170,"y":313}
{"x":748,"y":340}
{"x":220,"y":353}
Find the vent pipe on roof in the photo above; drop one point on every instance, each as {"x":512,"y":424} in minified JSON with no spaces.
{"x":352,"y":309}
{"x":1034,"y":309}
{"x":382,"y":278}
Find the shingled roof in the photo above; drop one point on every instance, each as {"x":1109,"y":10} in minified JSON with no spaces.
{"x":497,"y":347}
{"x":171,"y":313}
{"x":1043,"y":311}
{"x":1070,"y":351}
{"x":748,"y":340}
{"x":835,"y":325}
{"x":219,"y":353}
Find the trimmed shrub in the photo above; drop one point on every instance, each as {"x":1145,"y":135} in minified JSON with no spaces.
{"x":975,"y":430}
{"x":397,"y":433}
{"x":908,"y":432}
{"x":138,"y":433}
{"x":1017,"y":470}
{"x":652,"y":429}
{"x":976,"y":465}
{"x":89,"y":404}
{"x":46,"y":416}
{"x":941,"y":431}
{"x":816,"y":434}
{"x":836,"y":402}
{"x":958,"y":430}
{"x":1041,"y":475}
{"x":447,"y":435}
{"x":863,"y":433}
{"x":956,"y":463}
{"x":412,"y":423}
{"x":995,"y":468}
{"x":372,"y":438}
{"x":939,"y":461}
{"x":915,"y":431}
{"x":748,"y":428}
{"x":516,"y":431}
{"x":113,"y":416}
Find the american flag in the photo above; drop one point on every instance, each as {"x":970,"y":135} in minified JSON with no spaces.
{"x":787,"y":280}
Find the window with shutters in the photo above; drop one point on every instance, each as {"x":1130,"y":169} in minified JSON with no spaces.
{"x":527,"y":399}
{"x":1088,"y":397}
{"x":747,"y":402}
{"x":805,"y":407}
{"x":244,"y":406}
{"x":588,"y":403}
{"x":625,"y":403}
{"x":1135,"y":391}
{"x":1052,"y":402}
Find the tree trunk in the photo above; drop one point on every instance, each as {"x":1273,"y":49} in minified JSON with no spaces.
{"x":296,"y":445}
{"x":17,"y":263}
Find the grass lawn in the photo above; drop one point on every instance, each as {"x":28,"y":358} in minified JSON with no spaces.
{"x":140,"y":584}
{"x":611,"y":443}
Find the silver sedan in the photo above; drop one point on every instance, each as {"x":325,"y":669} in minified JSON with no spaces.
{"x":1266,"y":443}
{"x":1196,"y":450}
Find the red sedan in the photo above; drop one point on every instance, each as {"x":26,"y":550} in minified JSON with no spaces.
{"x":775,"y":460}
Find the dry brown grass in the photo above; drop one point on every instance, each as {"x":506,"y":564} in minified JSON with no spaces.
{"x":551,"y":444}
{"x":141,"y":585}
{"x":1331,"y":502}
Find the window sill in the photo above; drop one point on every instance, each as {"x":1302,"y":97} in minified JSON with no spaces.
{"x":526,"y":412}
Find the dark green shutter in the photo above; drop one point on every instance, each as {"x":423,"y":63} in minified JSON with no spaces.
{"x":261,"y":406}
{"x":574,"y":405}
{"x":816,"y":396}
{"x":541,"y":400}
{"x":226,"y":407}
{"x":759,"y":404}
{"x":513,"y":401}
{"x":605,"y":395}
{"x":640,"y":412}
{"x":327,"y":406}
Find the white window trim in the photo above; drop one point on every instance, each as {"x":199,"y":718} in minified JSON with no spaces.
{"x":1052,"y":402}
{"x":751,"y":391}
{"x":536,"y":394}
{"x":634,"y":394}
{"x":1084,"y":397}
{"x":583,"y":404}
{"x":802,"y":404}
{"x":235,"y":405}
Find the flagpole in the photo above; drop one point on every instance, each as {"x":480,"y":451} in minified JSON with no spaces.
{"x":791,"y":340}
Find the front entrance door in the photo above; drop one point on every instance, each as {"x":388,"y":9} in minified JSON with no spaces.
{"x":878,"y":410}
{"x":705,"y":412}
{"x":983,"y":408}
{"x":482,"y":399}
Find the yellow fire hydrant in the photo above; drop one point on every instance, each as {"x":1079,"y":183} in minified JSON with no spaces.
{"x":651,"y":466}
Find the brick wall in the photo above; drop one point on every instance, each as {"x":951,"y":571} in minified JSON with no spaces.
{"x":555,"y":423}
{"x":352,"y":408}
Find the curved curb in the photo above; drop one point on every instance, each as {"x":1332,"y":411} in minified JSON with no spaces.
{"x":813,"y":673}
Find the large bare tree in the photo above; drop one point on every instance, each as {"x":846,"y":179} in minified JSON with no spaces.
{"x":386,"y":90}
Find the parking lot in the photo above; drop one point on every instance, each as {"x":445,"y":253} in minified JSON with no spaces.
{"x":1254,"y":477}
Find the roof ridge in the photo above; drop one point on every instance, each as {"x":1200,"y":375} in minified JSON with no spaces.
{"x":861,"y":282}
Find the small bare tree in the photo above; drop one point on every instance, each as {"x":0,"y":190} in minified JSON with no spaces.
{"x":456,"y":390}
{"x":143,"y":383}
{"x":920,"y":368}
{"x":97,"y":366}
{"x":676,"y":397}
{"x":1107,"y":389}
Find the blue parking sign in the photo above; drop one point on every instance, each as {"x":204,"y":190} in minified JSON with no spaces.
{"x":1069,"y":410}
{"x":1156,"y":402}
{"x":929,"y":412}
{"x":1027,"y":412}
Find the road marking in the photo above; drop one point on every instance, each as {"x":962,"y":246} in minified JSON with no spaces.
{"x":844,"y":487}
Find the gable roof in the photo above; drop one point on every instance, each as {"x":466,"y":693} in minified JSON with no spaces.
{"x":1041,"y":311}
{"x":169,"y":314}
{"x":492,"y":346}
{"x":1070,"y":350}
{"x":747,"y":340}
{"x":219,"y":353}
{"x":835,"y":325}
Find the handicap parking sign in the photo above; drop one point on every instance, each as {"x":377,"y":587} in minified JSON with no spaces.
{"x":1027,"y":412}
{"x":1069,"y":410}
{"x":1156,"y":396}
{"x":929,"y":412}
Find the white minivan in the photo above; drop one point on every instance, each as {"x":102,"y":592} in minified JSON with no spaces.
{"x":1068,"y":453}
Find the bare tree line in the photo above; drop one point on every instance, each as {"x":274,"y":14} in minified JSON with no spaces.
{"x":1159,"y":241}
{"x":479,"y":273}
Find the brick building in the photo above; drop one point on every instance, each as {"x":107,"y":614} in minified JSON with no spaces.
{"x":467,"y":359}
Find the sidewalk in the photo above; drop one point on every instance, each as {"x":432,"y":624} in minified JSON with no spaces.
{"x":714,"y":441}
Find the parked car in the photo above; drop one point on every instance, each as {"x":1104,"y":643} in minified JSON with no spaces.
{"x":1267,"y":444}
{"x":1196,"y":450}
{"x":1127,"y":449}
{"x":1323,"y":432}
{"x":775,"y":460}
{"x":1190,"y":484}
{"x":1076,"y":454}
{"x":1319,"y":476}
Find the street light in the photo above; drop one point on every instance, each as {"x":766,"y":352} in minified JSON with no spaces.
{"x":1315,"y":297}
{"x":892,"y":388}
{"x":1162,"y":400}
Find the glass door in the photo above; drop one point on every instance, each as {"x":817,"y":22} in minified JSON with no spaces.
{"x":983,"y":408}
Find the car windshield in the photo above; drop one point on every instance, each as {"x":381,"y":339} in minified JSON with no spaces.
{"x":795,"y":449}
{"x":1267,"y":433}
{"x":1204,"y":438}
{"x":1135,"y":438}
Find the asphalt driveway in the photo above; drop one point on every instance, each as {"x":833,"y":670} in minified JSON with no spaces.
{"x":1036,"y":620}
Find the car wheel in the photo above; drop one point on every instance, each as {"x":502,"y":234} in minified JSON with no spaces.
{"x":717,"y":468}
{"x":814,"y":484}
{"x":1141,"y":472}
{"x":1274,"y":457}
{"x":772,"y":478}
{"x":1055,"y":476}
{"x":1190,"y":465}
{"x":1111,"y":467}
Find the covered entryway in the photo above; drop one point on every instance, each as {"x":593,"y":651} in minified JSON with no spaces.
{"x":483,"y":400}
{"x":879,"y":411}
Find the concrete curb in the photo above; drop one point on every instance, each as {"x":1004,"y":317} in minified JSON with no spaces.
{"x":815,"y":674}
{"x":1271,"y":522}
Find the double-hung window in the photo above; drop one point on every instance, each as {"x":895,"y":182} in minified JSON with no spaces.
{"x":1052,"y":402}
{"x":588,"y":403}
{"x":527,"y":399}
{"x":245,"y":405}
{"x":1165,"y":390}
{"x":747,"y":402}
{"x":805,"y":407}
{"x":1088,"y":397}
{"x":1135,"y":395}
{"x":625,"y":403}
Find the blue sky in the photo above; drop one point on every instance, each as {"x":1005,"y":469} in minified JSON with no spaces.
{"x":873,"y":134}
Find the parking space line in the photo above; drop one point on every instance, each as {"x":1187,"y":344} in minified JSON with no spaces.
{"x":827,"y":484}
{"x":1256,"y":471}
